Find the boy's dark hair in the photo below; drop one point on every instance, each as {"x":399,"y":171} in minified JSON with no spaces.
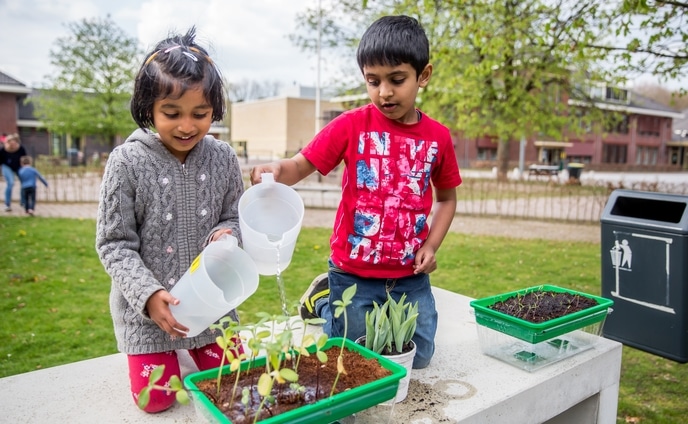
{"x":393,"y":40}
{"x":175,"y":65}
{"x":25,"y":160}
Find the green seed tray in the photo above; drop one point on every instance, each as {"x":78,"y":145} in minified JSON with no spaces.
{"x":538,"y":332}
{"x":322,"y":412}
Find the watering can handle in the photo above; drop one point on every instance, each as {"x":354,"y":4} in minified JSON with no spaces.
{"x":267,"y":177}
{"x":230,"y":238}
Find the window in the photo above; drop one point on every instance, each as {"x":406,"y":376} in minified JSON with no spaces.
{"x":617,"y":94}
{"x":614,"y":153}
{"x":646,"y":156}
{"x":649,"y":126}
{"x":487,"y":154}
{"x":616,"y":123}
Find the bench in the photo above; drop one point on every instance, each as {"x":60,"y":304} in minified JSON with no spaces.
{"x":546,"y":170}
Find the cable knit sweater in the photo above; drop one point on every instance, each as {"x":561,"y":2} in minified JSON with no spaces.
{"x":155,"y":216}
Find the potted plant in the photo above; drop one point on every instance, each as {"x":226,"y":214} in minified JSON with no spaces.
{"x":315,"y":381}
{"x":389,"y":330}
{"x":539,"y":325}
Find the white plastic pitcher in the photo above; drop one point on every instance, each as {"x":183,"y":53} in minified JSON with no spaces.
{"x":220,"y":279}
{"x":270,"y":217}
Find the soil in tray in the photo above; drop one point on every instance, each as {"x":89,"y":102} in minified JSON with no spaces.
{"x":315,"y":379}
{"x":543,"y":305}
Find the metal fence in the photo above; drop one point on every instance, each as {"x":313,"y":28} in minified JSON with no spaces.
{"x":479,"y":194}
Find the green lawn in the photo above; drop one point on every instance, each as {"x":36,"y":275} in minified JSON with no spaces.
{"x":54,"y":298}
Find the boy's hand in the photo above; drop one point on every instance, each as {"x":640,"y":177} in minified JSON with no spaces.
{"x":425,"y":260}
{"x":158,"y":307}
{"x":273,"y":168}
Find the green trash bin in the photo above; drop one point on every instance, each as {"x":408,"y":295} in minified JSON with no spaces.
{"x":575,"y":170}
{"x":644,"y":244}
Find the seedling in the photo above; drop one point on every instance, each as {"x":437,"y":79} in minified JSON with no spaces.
{"x":390,"y":327}
{"x":174,"y":385}
{"x":340,"y":309}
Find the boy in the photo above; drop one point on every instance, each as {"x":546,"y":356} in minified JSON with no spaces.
{"x":381,"y":240}
{"x":27,"y":176}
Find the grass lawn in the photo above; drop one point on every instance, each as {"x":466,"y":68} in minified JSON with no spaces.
{"x":54,"y":298}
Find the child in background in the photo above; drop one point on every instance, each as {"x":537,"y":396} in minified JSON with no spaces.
{"x":28,"y":175}
{"x":165,"y":195}
{"x":394,"y":155}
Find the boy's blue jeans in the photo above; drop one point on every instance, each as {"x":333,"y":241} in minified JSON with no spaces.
{"x":416,"y":287}
{"x":8,"y":174}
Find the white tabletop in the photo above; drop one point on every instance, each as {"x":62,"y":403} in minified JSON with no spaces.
{"x":461,"y":384}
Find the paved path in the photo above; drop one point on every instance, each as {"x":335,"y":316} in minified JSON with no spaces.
{"x":517,"y":228}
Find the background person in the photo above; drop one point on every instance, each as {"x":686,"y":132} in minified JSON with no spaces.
{"x":10,"y":158}
{"x":165,"y":195}
{"x":28,"y":176}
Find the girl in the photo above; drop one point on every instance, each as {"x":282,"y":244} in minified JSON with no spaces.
{"x":165,"y":195}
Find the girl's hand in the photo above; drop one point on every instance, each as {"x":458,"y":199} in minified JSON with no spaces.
{"x":219,"y":233}
{"x":158,"y":307}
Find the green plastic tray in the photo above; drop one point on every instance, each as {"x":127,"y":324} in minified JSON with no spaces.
{"x":325,"y":410}
{"x":532,"y":332}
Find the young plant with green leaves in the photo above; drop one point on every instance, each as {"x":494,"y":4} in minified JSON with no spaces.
{"x":174,"y":385}
{"x":390,"y":326}
{"x":340,"y":310}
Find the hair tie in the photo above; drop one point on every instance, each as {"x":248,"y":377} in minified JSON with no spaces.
{"x":191,"y":56}
{"x":173,"y":48}
{"x":151,"y":57}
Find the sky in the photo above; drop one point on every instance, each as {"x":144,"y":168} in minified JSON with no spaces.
{"x":247,"y":39}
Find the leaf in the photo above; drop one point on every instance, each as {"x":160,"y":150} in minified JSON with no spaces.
{"x":176,"y":383}
{"x":322,"y":356}
{"x":182,"y":397}
{"x":289,"y":375}
{"x":264,"y":385}
{"x":322,"y":340}
{"x":221,"y":342}
{"x":144,"y":397}
{"x":234,"y":365}
{"x":156,"y":374}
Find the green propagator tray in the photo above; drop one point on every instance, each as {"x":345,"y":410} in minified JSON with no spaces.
{"x":538,"y":332}
{"x":323,"y":411}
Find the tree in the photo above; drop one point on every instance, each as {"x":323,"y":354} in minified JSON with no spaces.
{"x":504,"y":69}
{"x":90,"y":92}
{"x":651,"y":37}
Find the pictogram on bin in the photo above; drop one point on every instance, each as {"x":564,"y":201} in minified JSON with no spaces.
{"x":644,"y":244}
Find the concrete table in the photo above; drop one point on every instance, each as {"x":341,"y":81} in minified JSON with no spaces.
{"x":460,"y":385}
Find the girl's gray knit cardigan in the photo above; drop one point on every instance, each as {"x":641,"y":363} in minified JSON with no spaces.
{"x":155,"y":216}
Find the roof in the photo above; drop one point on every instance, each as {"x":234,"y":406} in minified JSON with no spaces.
{"x":636,"y":104}
{"x":12,"y":85}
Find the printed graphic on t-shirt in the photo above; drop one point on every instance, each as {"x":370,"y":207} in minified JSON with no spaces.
{"x":393,"y":185}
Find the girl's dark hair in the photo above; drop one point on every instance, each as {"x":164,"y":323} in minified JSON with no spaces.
{"x":175,"y":65}
{"x":393,"y":40}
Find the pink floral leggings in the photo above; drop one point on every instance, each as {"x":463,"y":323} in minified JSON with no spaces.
{"x":140,"y":367}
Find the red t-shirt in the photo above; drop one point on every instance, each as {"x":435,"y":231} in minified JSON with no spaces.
{"x":387,"y":185}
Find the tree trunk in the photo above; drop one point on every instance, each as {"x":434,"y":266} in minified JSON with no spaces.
{"x":502,"y":160}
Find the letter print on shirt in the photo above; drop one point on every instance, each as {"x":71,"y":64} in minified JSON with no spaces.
{"x":392,"y":203}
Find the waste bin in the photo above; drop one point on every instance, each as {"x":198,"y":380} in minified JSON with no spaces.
{"x":73,"y":157}
{"x":645,"y":271}
{"x":575,"y":169}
